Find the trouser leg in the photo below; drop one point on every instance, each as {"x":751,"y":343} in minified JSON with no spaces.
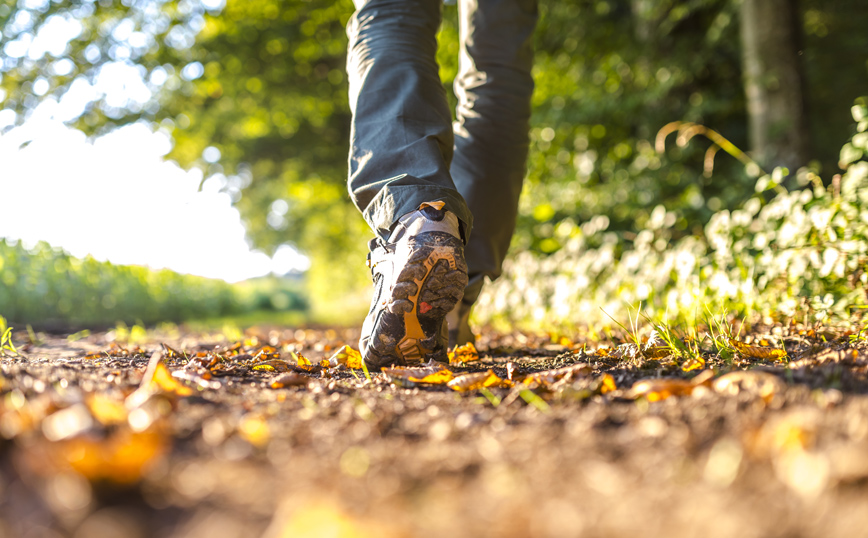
{"x":401,"y":141}
{"x":494,"y":87}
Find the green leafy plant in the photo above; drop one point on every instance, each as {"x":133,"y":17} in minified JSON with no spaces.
{"x":6,"y":345}
{"x":779,"y":254}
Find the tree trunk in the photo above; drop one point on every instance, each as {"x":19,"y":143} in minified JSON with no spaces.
{"x":774,"y":83}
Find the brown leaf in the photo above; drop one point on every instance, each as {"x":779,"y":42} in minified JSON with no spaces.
{"x":273,"y":365}
{"x":290,"y":379}
{"x":548,"y":377}
{"x":762,"y":384}
{"x":661,"y":388}
{"x":475,"y":381}
{"x":656,"y":351}
{"x":197,"y":378}
{"x":171,"y":353}
{"x":768,"y":353}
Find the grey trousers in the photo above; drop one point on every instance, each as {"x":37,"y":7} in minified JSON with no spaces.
{"x":404,"y":147}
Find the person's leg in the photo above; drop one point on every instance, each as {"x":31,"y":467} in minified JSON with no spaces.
{"x":401,"y":142}
{"x":494,"y":88}
{"x":400,"y":150}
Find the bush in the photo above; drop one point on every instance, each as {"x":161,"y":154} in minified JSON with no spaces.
{"x":779,"y":255}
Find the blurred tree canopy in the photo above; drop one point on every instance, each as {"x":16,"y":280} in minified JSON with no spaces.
{"x":254,"y":92}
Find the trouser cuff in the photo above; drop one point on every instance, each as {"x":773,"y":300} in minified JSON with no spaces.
{"x":394,"y":201}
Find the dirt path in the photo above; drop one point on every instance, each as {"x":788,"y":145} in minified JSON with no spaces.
{"x":781,"y":451}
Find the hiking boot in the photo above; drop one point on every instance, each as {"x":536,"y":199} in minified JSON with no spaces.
{"x":419,"y":276}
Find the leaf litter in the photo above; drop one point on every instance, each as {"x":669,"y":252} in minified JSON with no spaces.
{"x":133,"y":417}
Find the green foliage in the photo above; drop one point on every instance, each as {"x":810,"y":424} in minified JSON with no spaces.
{"x":45,"y":287}
{"x":799,"y":251}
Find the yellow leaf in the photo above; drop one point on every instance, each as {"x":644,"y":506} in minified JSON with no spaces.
{"x":462,"y":354}
{"x":435,"y":374}
{"x":120,"y":458}
{"x":345,"y":355}
{"x":566,"y":342}
{"x":693,"y":363}
{"x":607,"y":384}
{"x":106,"y":410}
{"x":758,"y":352}
{"x":438,"y":378}
{"x":163,"y":380}
{"x":468,"y":382}
{"x":301,"y":360}
{"x":267,"y":353}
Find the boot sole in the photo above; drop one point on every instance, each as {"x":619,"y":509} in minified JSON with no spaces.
{"x":427,"y":288}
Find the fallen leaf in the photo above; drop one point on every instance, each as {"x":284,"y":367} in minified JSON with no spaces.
{"x":197,"y":378}
{"x":122,"y":457}
{"x":267,"y":353}
{"x":462,"y":354}
{"x":757,"y":352}
{"x":347,"y":356}
{"x":661,"y":388}
{"x":162,"y":379}
{"x":762,"y":384}
{"x":656,"y":352}
{"x":171,"y":353}
{"x":272,"y":365}
{"x":693,"y":363}
{"x":157,"y":378}
{"x":290,"y":379}
{"x":433,"y":373}
{"x":547,"y":377}
{"x":603,"y":352}
{"x":468,"y":382}
{"x":106,"y":410}
{"x":607,"y":384}
{"x":302,"y":361}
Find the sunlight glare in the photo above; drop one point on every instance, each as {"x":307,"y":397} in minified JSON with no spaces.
{"x":116,"y":199}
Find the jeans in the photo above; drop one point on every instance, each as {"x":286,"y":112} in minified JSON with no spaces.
{"x":404,"y":147}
